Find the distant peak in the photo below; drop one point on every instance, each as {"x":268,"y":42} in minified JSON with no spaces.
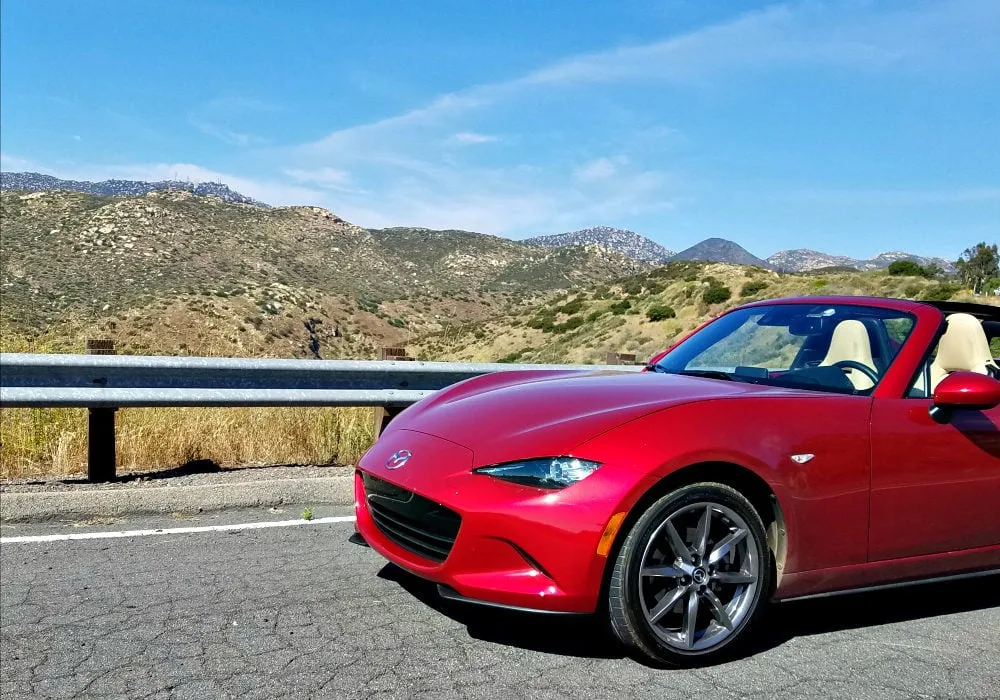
{"x":721,"y":250}
{"x":624,"y":241}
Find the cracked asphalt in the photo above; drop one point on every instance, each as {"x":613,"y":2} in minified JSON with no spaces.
{"x":300,"y":612}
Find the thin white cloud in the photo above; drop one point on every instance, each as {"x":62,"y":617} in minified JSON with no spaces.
{"x":326,"y":177}
{"x":599,"y":169}
{"x":12,"y":163}
{"x":469,"y":138}
{"x":331,"y":179}
{"x":233,"y":138}
{"x":510,"y":200}
{"x":240,"y":103}
{"x":215,"y":118}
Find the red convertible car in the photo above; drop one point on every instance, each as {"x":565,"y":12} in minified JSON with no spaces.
{"x":788,"y":448}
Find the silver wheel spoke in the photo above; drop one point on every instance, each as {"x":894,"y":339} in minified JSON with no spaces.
{"x":666,"y":602}
{"x":726,"y":544}
{"x":668,"y":571}
{"x":733,"y":577}
{"x":701,"y":534}
{"x":718,"y":610}
{"x":677,"y":544}
{"x":691,"y":618}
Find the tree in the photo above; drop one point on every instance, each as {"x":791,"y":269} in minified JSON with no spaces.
{"x":978,"y":265}
{"x":907,"y":268}
{"x":933,"y":271}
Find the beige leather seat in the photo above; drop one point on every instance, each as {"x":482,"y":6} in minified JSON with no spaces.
{"x":850,"y":342}
{"x":963,"y":348}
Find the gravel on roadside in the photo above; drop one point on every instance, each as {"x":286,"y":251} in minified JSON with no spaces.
{"x":188,"y":489}
{"x":179,"y":476}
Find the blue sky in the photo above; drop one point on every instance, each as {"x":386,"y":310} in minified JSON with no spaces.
{"x":851,"y":127}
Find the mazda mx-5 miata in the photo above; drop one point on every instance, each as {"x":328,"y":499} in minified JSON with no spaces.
{"x":788,"y":448}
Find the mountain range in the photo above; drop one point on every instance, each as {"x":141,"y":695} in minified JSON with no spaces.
{"x":638,"y":247}
{"x":628,"y":243}
{"x":805,"y":260}
{"x":37,"y":182}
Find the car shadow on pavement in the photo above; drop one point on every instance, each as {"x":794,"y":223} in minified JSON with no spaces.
{"x":587,"y":636}
{"x":870,"y":609}
{"x":567,"y":635}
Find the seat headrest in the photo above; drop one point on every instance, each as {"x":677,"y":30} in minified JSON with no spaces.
{"x":849,"y":342}
{"x":964,"y":346}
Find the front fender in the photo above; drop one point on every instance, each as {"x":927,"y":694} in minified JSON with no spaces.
{"x":825,"y":500}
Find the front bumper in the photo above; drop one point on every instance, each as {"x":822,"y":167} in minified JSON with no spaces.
{"x":516,"y":546}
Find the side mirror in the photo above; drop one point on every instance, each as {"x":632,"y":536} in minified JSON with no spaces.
{"x":964,"y":390}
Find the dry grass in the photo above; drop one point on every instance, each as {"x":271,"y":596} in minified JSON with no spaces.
{"x":47,"y":442}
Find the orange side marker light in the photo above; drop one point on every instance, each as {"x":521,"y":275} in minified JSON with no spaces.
{"x":608,"y":537}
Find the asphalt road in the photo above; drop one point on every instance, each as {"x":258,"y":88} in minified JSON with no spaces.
{"x":300,"y":612}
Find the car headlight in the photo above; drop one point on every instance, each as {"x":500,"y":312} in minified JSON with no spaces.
{"x":548,"y":472}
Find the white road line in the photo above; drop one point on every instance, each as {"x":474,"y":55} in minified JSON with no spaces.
{"x":174,"y":530}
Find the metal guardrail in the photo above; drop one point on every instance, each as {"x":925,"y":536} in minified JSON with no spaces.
{"x":105,"y":383}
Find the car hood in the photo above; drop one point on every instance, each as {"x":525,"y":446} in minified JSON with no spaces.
{"x":515,"y":415}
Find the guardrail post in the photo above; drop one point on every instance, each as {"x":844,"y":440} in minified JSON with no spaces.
{"x":384,"y":414}
{"x":102,"y":459}
{"x":397,"y":354}
{"x":621,"y":358}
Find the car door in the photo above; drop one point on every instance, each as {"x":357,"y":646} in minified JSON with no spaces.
{"x":935,"y":488}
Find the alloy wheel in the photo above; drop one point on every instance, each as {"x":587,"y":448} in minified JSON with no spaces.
{"x":699,"y":576}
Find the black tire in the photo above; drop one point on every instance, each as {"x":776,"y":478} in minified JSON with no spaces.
{"x":639,"y":599}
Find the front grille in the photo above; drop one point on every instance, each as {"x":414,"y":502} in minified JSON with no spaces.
{"x":413,"y":522}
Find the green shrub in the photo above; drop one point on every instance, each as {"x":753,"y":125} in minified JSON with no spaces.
{"x":594,"y":315}
{"x":398,"y":323}
{"x":940,"y":292}
{"x":620,"y":307}
{"x":368,"y":305}
{"x":570,"y":324}
{"x":716,"y":294}
{"x":571,"y":307}
{"x":753,"y":287}
{"x":512,"y":357}
{"x":632,"y":287}
{"x":542,"y":321}
{"x":660,"y":313}
{"x":912,"y":290}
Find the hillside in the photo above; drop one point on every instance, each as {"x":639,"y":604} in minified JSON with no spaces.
{"x":36,"y":182}
{"x":174,"y":272}
{"x":722,"y":251}
{"x":644,"y":313}
{"x":628,"y":243}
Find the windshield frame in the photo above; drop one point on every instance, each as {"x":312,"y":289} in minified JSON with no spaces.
{"x":891,"y":381}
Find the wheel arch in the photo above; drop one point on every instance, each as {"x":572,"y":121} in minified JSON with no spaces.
{"x":746,"y":481}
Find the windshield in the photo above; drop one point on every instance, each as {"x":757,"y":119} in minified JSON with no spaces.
{"x":824,"y":347}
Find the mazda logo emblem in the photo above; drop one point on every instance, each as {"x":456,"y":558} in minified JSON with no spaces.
{"x":398,"y":459}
